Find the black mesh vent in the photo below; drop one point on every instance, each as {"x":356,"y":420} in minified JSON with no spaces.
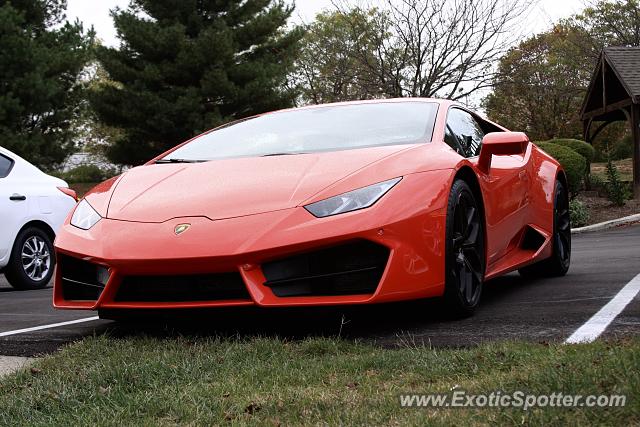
{"x":209,"y":287}
{"x":350,"y":269}
{"x":532,"y":239}
{"x":81,"y":280}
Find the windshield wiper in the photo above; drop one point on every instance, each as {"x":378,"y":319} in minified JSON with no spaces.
{"x":179,"y":161}
{"x":283,"y":154}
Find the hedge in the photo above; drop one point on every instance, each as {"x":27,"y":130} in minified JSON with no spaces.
{"x":85,"y":173}
{"x":573,"y":163}
{"x":585,"y":149}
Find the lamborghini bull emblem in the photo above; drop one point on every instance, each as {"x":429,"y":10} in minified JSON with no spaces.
{"x":181,"y":228}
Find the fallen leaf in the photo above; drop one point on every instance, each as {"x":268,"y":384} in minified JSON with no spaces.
{"x":252,"y":408}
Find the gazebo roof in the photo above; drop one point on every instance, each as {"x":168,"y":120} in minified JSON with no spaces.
{"x":625,"y":62}
{"x":615,"y":84}
{"x":613,"y":95}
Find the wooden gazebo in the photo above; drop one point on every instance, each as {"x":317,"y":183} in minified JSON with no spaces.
{"x":614,"y":95}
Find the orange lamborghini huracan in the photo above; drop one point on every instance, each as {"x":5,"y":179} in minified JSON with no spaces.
{"x":350,"y":203}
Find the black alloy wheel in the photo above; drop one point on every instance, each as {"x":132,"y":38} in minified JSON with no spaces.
{"x":465,"y":246}
{"x":558,"y":263}
{"x":562,"y":229}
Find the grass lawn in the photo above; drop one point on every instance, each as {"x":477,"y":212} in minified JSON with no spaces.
{"x":625,"y":167}
{"x":268,"y":381}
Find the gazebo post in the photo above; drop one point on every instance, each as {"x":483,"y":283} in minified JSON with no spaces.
{"x":614,"y":94}
{"x":635,"y":132}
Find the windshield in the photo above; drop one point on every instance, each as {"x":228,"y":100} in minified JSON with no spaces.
{"x":328,"y":128}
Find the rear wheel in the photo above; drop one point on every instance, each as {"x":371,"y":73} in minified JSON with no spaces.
{"x":465,"y":255}
{"x":32,"y":261}
{"x":558,"y":263}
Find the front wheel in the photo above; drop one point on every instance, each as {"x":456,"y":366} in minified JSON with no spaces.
{"x":32,"y":260}
{"x":558,"y":263}
{"x":465,"y":254}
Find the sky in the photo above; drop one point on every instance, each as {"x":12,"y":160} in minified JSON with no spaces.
{"x":96,"y":13}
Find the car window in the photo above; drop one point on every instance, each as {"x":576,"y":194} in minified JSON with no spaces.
{"x":5,"y":165}
{"x":452,"y":141}
{"x":326,"y":128}
{"x":467,"y":130}
{"x":488,"y":127}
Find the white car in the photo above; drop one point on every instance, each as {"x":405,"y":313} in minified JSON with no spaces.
{"x":33,"y":205}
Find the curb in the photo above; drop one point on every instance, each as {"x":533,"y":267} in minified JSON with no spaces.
{"x":10,"y":364}
{"x":608,"y":224}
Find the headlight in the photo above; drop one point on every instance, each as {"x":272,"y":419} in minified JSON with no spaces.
{"x":351,"y":201}
{"x":84,"y":216}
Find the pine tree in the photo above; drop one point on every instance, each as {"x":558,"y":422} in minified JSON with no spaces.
{"x":41,"y":61}
{"x":616,"y":189}
{"x":185,"y":66}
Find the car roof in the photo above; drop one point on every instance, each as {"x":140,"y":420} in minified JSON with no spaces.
{"x":11,"y":154}
{"x":367,"y":101}
{"x":22,"y":164}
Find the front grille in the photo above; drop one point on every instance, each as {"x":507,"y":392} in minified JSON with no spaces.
{"x":81,"y":280}
{"x":208,"y":287}
{"x":350,"y":269}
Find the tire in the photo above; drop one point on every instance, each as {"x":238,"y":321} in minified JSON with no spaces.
{"x":32,"y":260}
{"x":115,"y":315}
{"x":465,"y":258}
{"x":124,"y":316}
{"x":558,"y":263}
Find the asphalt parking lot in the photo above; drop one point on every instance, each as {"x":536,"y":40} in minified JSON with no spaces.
{"x":541,"y":310}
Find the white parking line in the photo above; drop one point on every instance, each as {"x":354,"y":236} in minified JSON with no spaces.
{"x":52,"y":325}
{"x":599,"y":322}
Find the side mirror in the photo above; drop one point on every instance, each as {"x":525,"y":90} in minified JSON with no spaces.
{"x":501,"y":144}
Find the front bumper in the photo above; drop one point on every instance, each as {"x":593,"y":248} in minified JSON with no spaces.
{"x":412,"y":235}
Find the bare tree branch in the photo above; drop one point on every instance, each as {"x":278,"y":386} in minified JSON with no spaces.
{"x":427,"y":48}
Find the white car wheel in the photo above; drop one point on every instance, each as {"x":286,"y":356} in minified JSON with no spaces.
{"x":31,"y":264}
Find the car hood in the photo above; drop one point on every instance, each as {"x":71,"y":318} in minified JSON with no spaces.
{"x":236,"y":187}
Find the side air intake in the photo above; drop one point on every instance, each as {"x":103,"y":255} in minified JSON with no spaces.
{"x":532,"y":239}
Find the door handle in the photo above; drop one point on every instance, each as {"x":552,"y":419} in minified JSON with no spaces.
{"x":17,"y":197}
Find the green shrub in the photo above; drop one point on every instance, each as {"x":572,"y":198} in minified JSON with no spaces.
{"x":585,"y":149}
{"x":622,"y":149}
{"x":579,"y":213}
{"x":618,"y":150}
{"x":85,"y":173}
{"x":573,"y":163}
{"x":616,"y":189}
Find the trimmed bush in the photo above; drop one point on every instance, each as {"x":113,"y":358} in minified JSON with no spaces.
{"x":85,"y":173}
{"x":585,"y":149}
{"x":573,"y":163}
